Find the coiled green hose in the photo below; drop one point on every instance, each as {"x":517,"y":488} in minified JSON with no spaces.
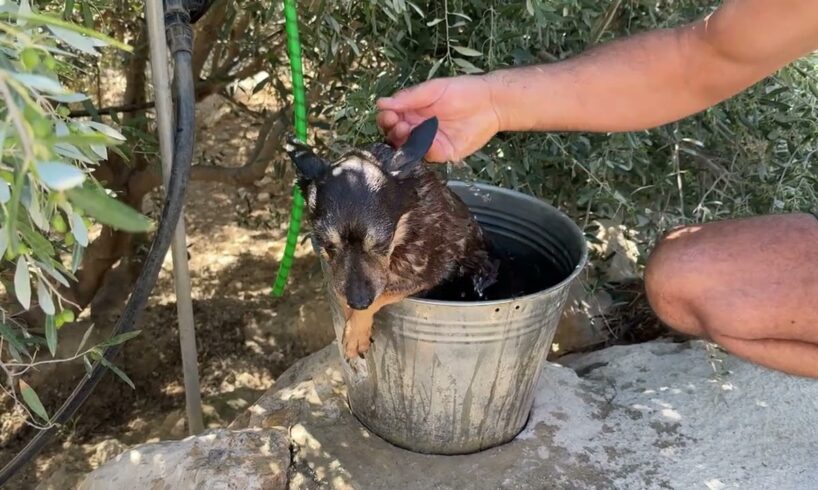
{"x":300,"y":111}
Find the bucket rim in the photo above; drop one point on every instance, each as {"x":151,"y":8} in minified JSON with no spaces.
{"x":583,"y":259}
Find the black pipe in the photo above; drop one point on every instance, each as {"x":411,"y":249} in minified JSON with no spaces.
{"x":180,"y":41}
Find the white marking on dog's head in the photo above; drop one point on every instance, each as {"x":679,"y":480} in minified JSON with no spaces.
{"x":312,"y":197}
{"x":370,"y":174}
{"x":333,"y":236}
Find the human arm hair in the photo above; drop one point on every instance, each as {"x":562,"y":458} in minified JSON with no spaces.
{"x":660,"y":76}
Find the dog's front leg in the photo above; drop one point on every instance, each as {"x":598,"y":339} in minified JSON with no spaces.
{"x":358,"y":330}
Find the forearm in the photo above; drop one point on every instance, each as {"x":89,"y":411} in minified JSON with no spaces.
{"x":638,"y":83}
{"x":655,"y":78}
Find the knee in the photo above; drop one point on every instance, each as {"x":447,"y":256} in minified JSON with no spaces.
{"x":671,"y":273}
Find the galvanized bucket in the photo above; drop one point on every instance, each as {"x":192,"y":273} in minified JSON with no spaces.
{"x":455,"y":377}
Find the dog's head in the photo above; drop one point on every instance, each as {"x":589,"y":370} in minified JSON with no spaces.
{"x":357,"y":206}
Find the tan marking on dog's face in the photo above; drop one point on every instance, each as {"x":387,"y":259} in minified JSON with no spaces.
{"x":324,"y":254}
{"x":354,"y":266}
{"x":333,"y":236}
{"x":370,"y":240}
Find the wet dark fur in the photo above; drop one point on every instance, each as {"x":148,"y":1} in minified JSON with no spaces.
{"x":442,"y":240}
{"x":388,"y":226}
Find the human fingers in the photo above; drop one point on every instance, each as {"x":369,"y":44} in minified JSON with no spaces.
{"x":416,"y":97}
{"x":386,"y":120}
{"x":399,"y":133}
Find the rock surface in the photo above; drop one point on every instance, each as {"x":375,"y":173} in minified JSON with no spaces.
{"x":655,"y":415}
{"x":246,"y":459}
{"x":582,"y":324}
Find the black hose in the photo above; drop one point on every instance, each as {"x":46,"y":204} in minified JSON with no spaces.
{"x":174,"y":202}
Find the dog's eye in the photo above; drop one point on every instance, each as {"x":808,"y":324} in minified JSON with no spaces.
{"x":329,"y":248}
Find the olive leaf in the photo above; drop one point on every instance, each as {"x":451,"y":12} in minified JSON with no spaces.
{"x":22,"y":284}
{"x":32,"y":400}
{"x":108,"y":210}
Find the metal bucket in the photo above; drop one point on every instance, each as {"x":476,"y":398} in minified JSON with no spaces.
{"x":452,"y":377}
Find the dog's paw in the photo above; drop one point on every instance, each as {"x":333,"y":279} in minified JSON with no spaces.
{"x":356,"y":345}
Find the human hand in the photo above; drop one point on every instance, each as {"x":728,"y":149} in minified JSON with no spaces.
{"x":467,"y":117}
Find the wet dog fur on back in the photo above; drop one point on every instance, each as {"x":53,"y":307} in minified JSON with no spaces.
{"x":387,"y":226}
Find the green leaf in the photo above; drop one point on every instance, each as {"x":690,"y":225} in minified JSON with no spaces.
{"x":4,"y":242}
{"x":530,"y":7}
{"x":119,"y":339}
{"x":54,"y":21}
{"x":68,"y":10}
{"x":7,"y":333}
{"x":60,"y":176}
{"x":44,"y":298}
{"x":68,"y":98}
{"x":87,"y":364}
{"x":32,"y":203}
{"x":77,"y":41}
{"x":90,"y":138}
{"x":33,"y":401}
{"x":466,"y":66}
{"x":40,"y":245}
{"x":434,"y":22}
{"x":107,"y":130}
{"x":51,"y":271}
{"x":85,"y":337}
{"x":78,"y":229}
{"x":51,"y":334}
{"x":100,"y":151}
{"x":38,"y":82}
{"x":25,"y":9}
{"x":434,"y":68}
{"x":22,"y":285}
{"x":116,"y":370}
{"x":76,"y":257}
{"x":417,"y":9}
{"x":467,"y":51}
{"x":87,"y":18}
{"x":108,"y":210}
{"x":5,"y":192}
{"x":71,"y":151}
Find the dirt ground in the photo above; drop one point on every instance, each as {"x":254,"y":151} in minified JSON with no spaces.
{"x":246,"y":337}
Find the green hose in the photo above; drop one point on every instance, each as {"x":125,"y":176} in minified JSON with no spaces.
{"x":300,"y":110}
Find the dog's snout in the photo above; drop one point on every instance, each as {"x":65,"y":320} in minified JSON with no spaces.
{"x":359,"y":303}
{"x":359,"y":296}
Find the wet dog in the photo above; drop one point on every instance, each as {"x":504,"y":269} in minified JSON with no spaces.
{"x":388,"y":227}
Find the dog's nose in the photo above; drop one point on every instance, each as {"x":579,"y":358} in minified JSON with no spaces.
{"x":359,"y":294}
{"x":360,"y":303}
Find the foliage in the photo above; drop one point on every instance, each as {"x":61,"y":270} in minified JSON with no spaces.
{"x":752,"y":154}
{"x":49,"y":199}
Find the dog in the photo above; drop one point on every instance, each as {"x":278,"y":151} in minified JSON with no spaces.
{"x":388,"y":227}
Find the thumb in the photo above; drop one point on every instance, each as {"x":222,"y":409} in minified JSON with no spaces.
{"x":417,"y":97}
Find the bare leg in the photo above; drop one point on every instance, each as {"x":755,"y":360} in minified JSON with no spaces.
{"x":358,"y":329}
{"x":750,"y":285}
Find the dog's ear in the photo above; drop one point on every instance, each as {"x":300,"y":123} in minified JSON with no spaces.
{"x":411,"y":153}
{"x":308,"y":166}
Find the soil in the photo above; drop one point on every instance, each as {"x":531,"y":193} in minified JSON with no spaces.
{"x":245,"y":336}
